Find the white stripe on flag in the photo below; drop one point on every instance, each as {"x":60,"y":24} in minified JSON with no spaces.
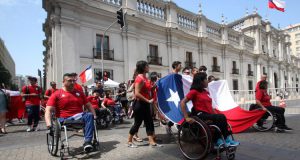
{"x":187,"y":82}
{"x":220,"y":94}
{"x":279,"y":3}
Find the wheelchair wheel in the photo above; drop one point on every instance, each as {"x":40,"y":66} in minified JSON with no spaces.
{"x":53,"y":138}
{"x":194,"y":139}
{"x":265,"y":123}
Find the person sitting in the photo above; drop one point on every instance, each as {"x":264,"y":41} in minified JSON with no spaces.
{"x":108,"y":101}
{"x":67,"y":103}
{"x":263,"y":100}
{"x":202,"y":108}
{"x":94,"y":100}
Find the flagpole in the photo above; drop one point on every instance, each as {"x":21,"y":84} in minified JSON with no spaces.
{"x":102,"y":43}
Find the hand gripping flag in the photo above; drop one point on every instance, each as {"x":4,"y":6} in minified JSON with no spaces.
{"x":172,"y":89}
{"x":86,"y":75}
{"x":277,"y":4}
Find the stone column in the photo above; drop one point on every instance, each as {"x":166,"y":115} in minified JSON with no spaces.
{"x":171,"y":15}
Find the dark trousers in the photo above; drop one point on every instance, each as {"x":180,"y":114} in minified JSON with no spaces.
{"x":142,"y":113}
{"x":218,"y":120}
{"x":279,"y":113}
{"x":33,"y":112}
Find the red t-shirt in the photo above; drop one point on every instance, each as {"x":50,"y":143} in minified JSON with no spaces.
{"x":201,"y":101}
{"x":94,"y":101}
{"x":49,"y":92}
{"x":109,"y":102}
{"x":67,"y":103}
{"x":257,"y":85}
{"x":32,"y":100}
{"x":263,"y":96}
{"x":145,"y":90}
{"x":78,"y":87}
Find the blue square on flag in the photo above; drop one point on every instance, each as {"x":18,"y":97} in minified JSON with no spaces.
{"x":170,"y":93}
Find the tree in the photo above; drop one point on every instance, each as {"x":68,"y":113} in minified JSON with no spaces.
{"x":5,"y":76}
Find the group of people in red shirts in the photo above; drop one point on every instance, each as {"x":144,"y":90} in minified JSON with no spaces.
{"x":68,"y":102}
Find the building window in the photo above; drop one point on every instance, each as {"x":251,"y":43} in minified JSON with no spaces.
{"x":107,"y":74}
{"x":250,"y":85}
{"x":297,"y":42}
{"x":99,"y":41}
{"x":235,"y":84}
{"x":153,"y":50}
{"x":263,"y":48}
{"x":264,"y":70}
{"x":250,"y":72}
{"x":234,"y":68}
{"x":153,"y":55}
{"x":189,"y":60}
{"x":215,"y":61}
{"x":107,"y":53}
{"x":298,"y":49}
{"x":297,"y":35}
{"x":234,"y":64}
{"x":215,"y":67}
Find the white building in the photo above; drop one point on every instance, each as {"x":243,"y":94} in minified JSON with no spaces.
{"x":161,"y":32}
{"x":6,"y":59}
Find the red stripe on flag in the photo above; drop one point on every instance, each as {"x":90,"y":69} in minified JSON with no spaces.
{"x":272,"y":5}
{"x":240,"y":119}
{"x":82,"y":77}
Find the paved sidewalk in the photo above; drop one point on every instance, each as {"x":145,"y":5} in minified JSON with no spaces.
{"x":19,"y":144}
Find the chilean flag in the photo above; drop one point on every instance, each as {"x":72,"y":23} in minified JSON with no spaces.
{"x":277,"y":4}
{"x":173,"y":88}
{"x":86,"y":75}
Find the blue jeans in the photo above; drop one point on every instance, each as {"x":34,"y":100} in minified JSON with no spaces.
{"x":88,"y":119}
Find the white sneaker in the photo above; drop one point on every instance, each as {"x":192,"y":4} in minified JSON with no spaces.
{"x":29,"y":129}
{"x":36,"y":129}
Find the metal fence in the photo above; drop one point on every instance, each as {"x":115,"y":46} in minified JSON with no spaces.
{"x":246,"y":97}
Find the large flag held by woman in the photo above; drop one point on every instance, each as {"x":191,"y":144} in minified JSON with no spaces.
{"x":173,"y":88}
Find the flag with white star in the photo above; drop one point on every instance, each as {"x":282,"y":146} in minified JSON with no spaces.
{"x":170,"y":93}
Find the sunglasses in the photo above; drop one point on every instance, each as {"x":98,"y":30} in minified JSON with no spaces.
{"x":71,"y":80}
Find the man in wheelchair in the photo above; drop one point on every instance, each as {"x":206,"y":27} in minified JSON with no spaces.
{"x":202,"y":108}
{"x":68,"y":105}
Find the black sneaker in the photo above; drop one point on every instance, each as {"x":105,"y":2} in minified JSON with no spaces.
{"x":87,"y":146}
{"x":286,"y":128}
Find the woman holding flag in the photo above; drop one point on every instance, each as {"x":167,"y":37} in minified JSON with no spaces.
{"x":202,"y":108}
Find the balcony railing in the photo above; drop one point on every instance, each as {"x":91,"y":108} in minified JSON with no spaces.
{"x":215,"y":68}
{"x":190,"y":64}
{"x":107,"y":54}
{"x":250,"y":73}
{"x":154,"y":60}
{"x":235,"y":71}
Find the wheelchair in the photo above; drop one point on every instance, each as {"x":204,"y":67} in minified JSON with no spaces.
{"x":104,"y":117}
{"x":55,"y":139}
{"x":266,"y":122}
{"x":196,"y":140}
{"x":117,"y":113}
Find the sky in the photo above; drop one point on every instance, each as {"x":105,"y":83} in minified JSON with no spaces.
{"x":21,"y":24}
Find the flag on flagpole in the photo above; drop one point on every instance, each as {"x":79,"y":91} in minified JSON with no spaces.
{"x":277,"y":4}
{"x":86,"y":75}
{"x":173,"y":88}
